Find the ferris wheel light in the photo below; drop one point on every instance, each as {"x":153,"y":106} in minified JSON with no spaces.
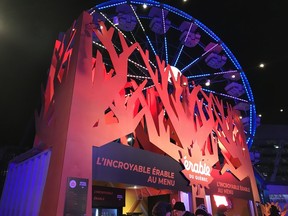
{"x":208,"y":82}
{"x":144,"y":6}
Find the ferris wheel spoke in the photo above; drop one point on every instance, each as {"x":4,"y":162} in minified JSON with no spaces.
{"x":174,"y":63}
{"x":165,"y":38}
{"x":115,"y":26}
{"x":182,"y":46}
{"x":140,"y":67}
{"x":225,"y":95}
{"x":143,"y":29}
{"x":212,"y":74}
{"x":198,"y":58}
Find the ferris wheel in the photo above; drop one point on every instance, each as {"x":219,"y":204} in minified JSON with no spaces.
{"x":186,"y":44}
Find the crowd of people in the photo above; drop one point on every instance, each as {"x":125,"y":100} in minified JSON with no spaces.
{"x":178,"y":209}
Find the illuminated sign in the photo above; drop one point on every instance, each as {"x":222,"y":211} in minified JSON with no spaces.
{"x":227,"y":185}
{"x":108,"y":197}
{"x":197,"y":171}
{"x":118,"y":163}
{"x":197,"y":167}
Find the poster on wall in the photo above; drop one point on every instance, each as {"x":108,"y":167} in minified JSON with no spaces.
{"x":76,"y":196}
{"x":118,"y":163}
{"x":107,"y":197}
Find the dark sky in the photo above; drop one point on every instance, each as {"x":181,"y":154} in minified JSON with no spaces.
{"x":254,"y":33}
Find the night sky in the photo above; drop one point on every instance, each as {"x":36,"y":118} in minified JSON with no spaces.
{"x":254,"y":33}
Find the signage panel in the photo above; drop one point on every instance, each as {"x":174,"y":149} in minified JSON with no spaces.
{"x":228,"y":185}
{"x":76,"y":196}
{"x":108,"y":197}
{"x":118,"y":163}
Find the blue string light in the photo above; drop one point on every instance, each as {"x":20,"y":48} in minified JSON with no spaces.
{"x":191,"y":63}
{"x":176,"y":61}
{"x":165,"y":39}
{"x":109,"y":4}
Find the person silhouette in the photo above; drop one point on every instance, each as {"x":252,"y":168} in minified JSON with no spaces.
{"x":221,"y":210}
{"x":180,"y":210}
{"x":162,"y":208}
{"x":201,"y":210}
{"x":274,"y":211}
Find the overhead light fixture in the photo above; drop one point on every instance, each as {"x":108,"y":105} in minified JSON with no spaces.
{"x":130,"y":139}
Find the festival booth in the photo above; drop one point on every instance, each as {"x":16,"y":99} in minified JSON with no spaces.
{"x":108,"y":145}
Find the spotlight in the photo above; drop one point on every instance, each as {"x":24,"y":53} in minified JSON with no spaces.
{"x":130,"y":139}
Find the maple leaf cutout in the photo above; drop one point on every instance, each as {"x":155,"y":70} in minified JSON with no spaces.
{"x":197,"y":167}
